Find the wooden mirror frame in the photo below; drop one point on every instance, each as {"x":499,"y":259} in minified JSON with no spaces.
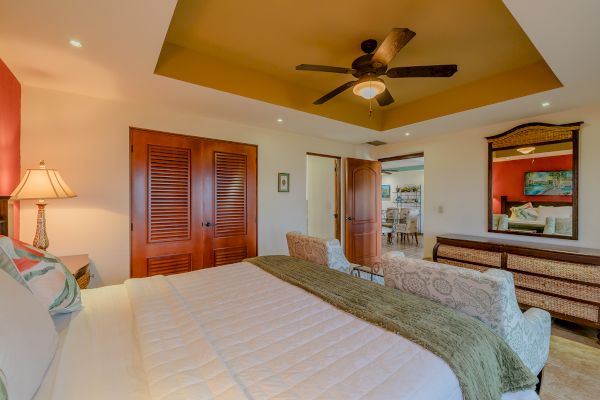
{"x":536,"y":133}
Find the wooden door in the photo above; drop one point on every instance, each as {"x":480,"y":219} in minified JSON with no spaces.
{"x":363,"y":212}
{"x":229,"y":202}
{"x":193,"y":202}
{"x":166,"y":230}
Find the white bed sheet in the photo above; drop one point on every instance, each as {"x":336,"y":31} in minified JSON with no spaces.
{"x":235,"y":332}
{"x":97,"y":356}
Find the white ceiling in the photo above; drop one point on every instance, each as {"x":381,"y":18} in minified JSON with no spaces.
{"x":122,"y":41}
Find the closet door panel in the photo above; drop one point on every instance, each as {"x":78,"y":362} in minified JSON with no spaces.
{"x":193,"y":203}
{"x":230,"y":227}
{"x":166,"y":234}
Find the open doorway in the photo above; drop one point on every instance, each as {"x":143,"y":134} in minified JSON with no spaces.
{"x":323,"y":195}
{"x":402,"y":195}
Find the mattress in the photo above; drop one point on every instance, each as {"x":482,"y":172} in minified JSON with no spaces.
{"x":235,"y":332}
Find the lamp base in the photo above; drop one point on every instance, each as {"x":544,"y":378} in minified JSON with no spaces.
{"x":41,"y":239}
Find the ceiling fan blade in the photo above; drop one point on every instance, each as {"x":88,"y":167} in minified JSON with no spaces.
{"x":392,"y":44}
{"x":384,"y":98}
{"x":335,"y":92}
{"x":424,"y":71}
{"x":324,"y":68}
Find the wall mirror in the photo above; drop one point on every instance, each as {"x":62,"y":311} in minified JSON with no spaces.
{"x":532,"y":180}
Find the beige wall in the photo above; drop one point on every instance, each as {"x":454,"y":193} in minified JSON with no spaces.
{"x":456,"y":178}
{"x":87,"y":140}
{"x":320,"y":196}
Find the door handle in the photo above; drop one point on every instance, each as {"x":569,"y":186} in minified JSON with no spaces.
{"x":348,"y":218}
{"x":208,"y":224}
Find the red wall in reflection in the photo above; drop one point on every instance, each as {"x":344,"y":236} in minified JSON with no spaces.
{"x":509,"y":178}
{"x":10,"y":137}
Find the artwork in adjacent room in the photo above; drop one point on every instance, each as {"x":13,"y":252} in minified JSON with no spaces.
{"x":283,"y":182}
{"x":385,"y":192}
{"x":551,"y":183}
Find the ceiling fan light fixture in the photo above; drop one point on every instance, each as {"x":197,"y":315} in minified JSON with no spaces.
{"x":369,"y":88}
{"x":526,"y":150}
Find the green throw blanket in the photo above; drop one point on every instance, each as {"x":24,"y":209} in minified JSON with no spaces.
{"x":484,"y":364}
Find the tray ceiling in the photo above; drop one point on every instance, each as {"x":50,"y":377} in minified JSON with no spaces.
{"x":251,"y":49}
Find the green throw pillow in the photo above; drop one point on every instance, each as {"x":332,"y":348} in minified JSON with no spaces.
{"x":42,"y":273}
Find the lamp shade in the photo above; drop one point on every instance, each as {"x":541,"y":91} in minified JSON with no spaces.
{"x":42,"y":183}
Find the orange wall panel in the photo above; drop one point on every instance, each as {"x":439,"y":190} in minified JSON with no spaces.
{"x":10,"y":136}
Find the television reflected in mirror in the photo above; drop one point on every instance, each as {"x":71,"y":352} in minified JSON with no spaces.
{"x":532,"y":181}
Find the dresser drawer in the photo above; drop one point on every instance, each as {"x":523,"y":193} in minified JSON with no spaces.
{"x":490,"y":258}
{"x":549,"y":285}
{"x":558,"y":269}
{"x":558,"y":305}
{"x":462,"y":264}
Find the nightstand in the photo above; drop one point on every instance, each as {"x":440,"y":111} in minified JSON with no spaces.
{"x":79,"y":265}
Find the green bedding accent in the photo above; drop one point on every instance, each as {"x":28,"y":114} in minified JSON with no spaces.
{"x":484,"y":364}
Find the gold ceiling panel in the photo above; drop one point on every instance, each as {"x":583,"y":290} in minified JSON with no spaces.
{"x":251,"y":49}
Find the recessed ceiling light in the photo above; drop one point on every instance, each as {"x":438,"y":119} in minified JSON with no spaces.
{"x":545,"y":104}
{"x":407,"y":134}
{"x":75,"y":43}
{"x":279,"y":119}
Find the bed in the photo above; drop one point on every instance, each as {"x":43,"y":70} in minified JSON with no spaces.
{"x":234,"y":332}
{"x":537,"y":226}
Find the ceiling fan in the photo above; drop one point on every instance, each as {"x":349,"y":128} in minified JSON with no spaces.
{"x":368,"y":67}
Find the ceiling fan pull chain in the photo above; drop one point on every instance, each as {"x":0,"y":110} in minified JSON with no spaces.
{"x":370,"y":103}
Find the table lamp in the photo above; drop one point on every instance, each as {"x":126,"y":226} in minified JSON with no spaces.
{"x":41,"y":184}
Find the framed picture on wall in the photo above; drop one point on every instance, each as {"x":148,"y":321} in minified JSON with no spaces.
{"x":283,"y":182}
{"x":385,"y":192}
{"x":552,"y":183}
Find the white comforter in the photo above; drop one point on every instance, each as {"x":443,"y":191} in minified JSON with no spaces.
{"x":237,"y":332}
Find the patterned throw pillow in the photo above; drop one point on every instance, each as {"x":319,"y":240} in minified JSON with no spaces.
{"x":564,"y":226}
{"x":524,"y":212}
{"x":42,"y":273}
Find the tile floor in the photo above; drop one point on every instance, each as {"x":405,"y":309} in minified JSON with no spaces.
{"x":409,"y":247}
{"x":573,"y":368}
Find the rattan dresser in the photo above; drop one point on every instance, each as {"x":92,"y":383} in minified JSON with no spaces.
{"x":563,"y":280}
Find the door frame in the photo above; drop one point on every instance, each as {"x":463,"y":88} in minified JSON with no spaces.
{"x":337,"y":192}
{"x":402,"y":157}
{"x":408,"y":157}
{"x":130,"y":145}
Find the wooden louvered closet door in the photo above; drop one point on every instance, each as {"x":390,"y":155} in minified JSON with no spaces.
{"x":229,"y":202}
{"x":193,"y":203}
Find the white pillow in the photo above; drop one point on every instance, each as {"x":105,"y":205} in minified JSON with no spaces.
{"x":558,"y":212}
{"x":28,"y":340}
